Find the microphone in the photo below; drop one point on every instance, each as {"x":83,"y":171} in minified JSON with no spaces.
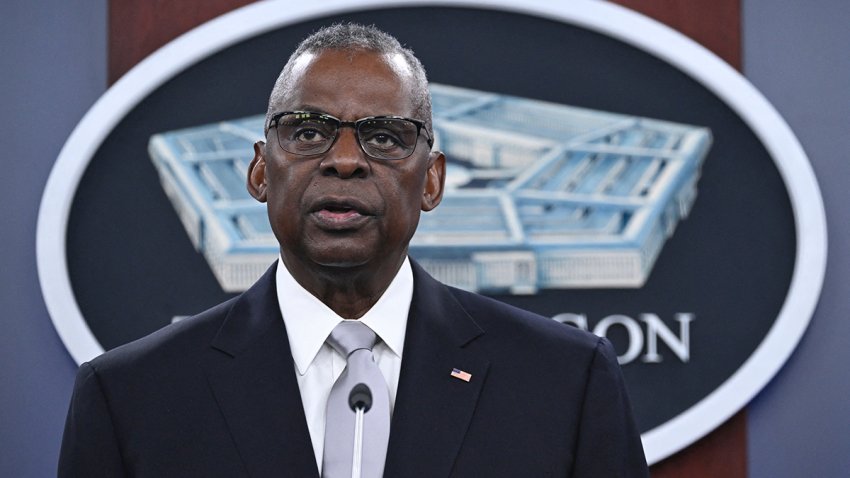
{"x":360,"y":400}
{"x":360,"y":397}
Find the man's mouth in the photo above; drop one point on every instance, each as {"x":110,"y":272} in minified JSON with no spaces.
{"x":340,"y":214}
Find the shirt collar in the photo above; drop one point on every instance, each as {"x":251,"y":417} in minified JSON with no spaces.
{"x":309,"y":321}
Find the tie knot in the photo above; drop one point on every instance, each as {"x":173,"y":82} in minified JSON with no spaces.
{"x":349,"y":336}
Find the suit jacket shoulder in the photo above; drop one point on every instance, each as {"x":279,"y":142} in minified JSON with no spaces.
{"x":506,"y":321}
{"x":171,"y":345}
{"x":540,"y":398}
{"x":212,"y":395}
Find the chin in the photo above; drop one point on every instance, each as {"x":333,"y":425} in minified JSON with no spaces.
{"x":341,"y":259}
{"x":342,"y":263}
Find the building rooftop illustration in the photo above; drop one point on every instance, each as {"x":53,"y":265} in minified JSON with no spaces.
{"x":539,"y":195}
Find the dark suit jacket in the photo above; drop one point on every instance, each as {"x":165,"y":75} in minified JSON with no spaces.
{"x":216,"y":395}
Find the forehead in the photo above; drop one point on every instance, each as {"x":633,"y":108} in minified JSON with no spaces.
{"x":350,"y":84}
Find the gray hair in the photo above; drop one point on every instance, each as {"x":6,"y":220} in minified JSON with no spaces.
{"x":350,"y":37}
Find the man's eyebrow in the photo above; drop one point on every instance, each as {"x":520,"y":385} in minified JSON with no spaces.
{"x":311,"y":108}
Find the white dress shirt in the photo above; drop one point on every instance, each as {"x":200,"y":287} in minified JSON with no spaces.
{"x":317,"y":365}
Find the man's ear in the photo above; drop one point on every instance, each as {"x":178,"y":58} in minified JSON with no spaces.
{"x":257,"y":173}
{"x":435,"y":181}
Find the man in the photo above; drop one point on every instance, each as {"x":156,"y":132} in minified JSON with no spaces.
{"x":474,"y":387}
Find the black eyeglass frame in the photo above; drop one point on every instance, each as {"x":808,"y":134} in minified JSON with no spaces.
{"x":420,"y":127}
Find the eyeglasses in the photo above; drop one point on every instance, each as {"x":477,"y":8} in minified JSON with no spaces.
{"x":383,"y":137}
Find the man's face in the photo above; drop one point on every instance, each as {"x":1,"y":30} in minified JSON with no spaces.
{"x":343,"y":208}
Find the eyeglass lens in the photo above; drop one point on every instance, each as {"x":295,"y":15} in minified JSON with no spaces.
{"x":383,"y":138}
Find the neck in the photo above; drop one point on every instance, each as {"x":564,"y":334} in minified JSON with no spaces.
{"x":349,"y":291}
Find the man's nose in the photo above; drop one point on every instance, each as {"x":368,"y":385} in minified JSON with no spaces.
{"x":346,"y":158}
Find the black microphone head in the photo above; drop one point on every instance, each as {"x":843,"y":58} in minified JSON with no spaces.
{"x":360,"y":397}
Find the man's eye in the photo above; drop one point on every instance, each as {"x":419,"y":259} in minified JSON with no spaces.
{"x":382,"y":140}
{"x":309,"y":135}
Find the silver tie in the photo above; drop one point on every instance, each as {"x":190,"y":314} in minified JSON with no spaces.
{"x":354,"y":341}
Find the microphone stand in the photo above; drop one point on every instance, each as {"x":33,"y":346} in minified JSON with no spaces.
{"x":360,"y":400}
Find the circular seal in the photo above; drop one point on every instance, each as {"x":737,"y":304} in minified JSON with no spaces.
{"x":648,"y":192}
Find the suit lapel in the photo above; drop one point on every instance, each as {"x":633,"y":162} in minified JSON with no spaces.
{"x":433,"y":409}
{"x":251,"y":373}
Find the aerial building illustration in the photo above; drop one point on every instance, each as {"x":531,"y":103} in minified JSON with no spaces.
{"x":539,"y":195}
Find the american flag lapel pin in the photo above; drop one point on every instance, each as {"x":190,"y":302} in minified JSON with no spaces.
{"x":458,"y":373}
